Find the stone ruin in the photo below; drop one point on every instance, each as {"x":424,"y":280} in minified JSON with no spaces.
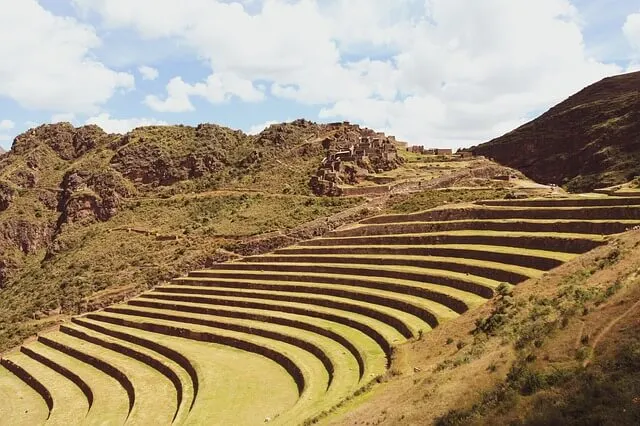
{"x":350,"y":156}
{"x":418,"y":149}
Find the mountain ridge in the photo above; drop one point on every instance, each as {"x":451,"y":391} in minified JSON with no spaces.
{"x":589,"y":140}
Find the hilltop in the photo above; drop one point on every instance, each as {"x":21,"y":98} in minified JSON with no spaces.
{"x":588,"y":141}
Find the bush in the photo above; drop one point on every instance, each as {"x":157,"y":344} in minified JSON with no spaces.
{"x":526,"y":381}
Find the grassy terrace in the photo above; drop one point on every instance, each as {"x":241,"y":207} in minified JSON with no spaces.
{"x":564,"y":202}
{"x":501,"y":212}
{"x":229,"y":380}
{"x":19,"y":403}
{"x":286,"y":337}
{"x":488,"y":269}
{"x":406,"y":323}
{"x":542,"y":259}
{"x":68,"y":399}
{"x":513,"y":225}
{"x":382,"y":333}
{"x":564,"y":242}
{"x":370,"y":355}
{"x":109,"y":401}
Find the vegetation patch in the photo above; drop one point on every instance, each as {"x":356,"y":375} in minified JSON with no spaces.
{"x":410,"y":203}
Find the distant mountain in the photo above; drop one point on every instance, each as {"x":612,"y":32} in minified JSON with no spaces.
{"x":590,"y":140}
{"x":2,"y":151}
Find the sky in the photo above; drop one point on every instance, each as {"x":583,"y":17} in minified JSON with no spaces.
{"x":445,"y":73}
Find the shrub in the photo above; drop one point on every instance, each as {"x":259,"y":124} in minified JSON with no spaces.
{"x":526,"y":381}
{"x":582,"y":353}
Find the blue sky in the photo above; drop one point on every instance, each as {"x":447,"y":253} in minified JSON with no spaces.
{"x":435,"y":72}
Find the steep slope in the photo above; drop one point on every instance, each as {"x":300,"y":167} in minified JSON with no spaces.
{"x":560,"y":349}
{"x":590,"y":140}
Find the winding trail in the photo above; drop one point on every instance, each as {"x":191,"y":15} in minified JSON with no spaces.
{"x":606,"y":330}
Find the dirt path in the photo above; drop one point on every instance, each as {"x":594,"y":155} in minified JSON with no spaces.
{"x":606,"y":330}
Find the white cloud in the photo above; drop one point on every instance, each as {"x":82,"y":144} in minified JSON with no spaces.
{"x":257,"y":128}
{"x":124,"y":125}
{"x":7,"y":124}
{"x":631,"y":30}
{"x":449,"y":71}
{"x":177,"y":99}
{"x":217,"y":88}
{"x":47,"y":62}
{"x":148,"y":73}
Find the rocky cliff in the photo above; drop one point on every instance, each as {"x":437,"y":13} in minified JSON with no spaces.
{"x":590,"y":140}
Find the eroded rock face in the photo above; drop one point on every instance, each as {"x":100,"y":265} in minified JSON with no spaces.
{"x":91,"y":194}
{"x":590,"y":140}
{"x":29,"y":237}
{"x":6,"y":195}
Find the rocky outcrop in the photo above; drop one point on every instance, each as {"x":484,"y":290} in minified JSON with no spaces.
{"x":6,"y":195}
{"x":162,"y":156}
{"x":64,"y":139}
{"x":590,"y":140}
{"x":91,"y":195}
{"x":28,"y":236}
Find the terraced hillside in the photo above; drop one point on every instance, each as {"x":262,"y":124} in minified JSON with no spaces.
{"x":286,"y":337}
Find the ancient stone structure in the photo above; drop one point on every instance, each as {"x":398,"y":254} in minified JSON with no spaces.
{"x":419,"y":149}
{"x":350,"y":155}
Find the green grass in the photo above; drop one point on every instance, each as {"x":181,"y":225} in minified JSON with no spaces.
{"x":188,"y":384}
{"x":355,"y":292}
{"x":560,"y":256}
{"x":380,"y":258}
{"x":19,"y":404}
{"x":226,"y":376}
{"x":405,"y":321}
{"x":350,"y":272}
{"x":345,"y":376}
{"x":313,"y":312}
{"x":310,"y":401}
{"x":110,"y":403}
{"x":70,"y":403}
{"x":373,"y":355}
{"x":155,"y":396}
{"x":433,"y":198}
